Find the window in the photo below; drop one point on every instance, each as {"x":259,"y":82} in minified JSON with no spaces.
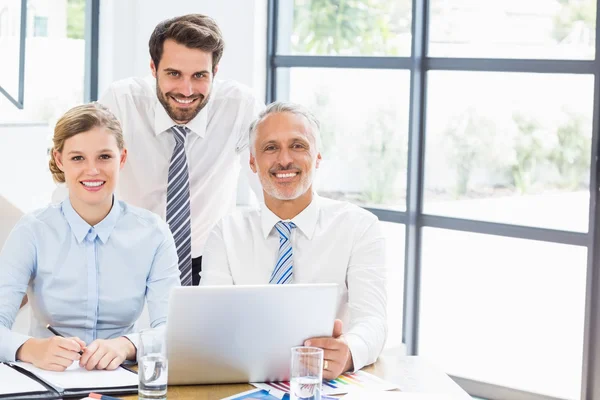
{"x":564,"y":29}
{"x":520,"y":325}
{"x":364,"y":130}
{"x":40,"y":26}
{"x":468,"y":127}
{"x":504,"y":147}
{"x":51,"y":87}
{"x":4,"y":20}
{"x":348,"y":28}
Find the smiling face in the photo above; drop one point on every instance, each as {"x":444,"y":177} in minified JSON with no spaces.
{"x":183,"y":80}
{"x":285,"y":157}
{"x":91,"y":162}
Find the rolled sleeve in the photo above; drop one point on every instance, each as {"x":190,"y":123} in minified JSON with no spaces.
{"x":367,"y":297}
{"x":17,"y":263}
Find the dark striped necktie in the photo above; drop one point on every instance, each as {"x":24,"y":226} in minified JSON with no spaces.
{"x":178,"y":205}
{"x":283,"y":271}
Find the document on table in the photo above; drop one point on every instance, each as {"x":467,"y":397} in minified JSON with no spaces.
{"x":340,"y":385}
{"x":368,"y":395}
{"x":76,"y":377}
{"x":13,"y":382}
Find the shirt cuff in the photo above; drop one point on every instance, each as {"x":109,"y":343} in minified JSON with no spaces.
{"x":134,"y":338}
{"x":12,"y":343}
{"x":358,"y":350}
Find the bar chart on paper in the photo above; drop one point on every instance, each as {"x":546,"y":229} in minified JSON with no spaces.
{"x":341,"y":385}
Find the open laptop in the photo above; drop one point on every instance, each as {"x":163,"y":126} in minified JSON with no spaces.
{"x":229,"y":334}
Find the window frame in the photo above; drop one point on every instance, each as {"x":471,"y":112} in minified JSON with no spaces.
{"x":92,"y":22}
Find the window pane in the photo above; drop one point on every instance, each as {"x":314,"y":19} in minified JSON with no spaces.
{"x":10,"y":43}
{"x":363,"y":130}
{"x":509,"y":147}
{"x":394,"y":246}
{"x":504,"y":311}
{"x":349,"y":28}
{"x":560,"y":29}
{"x":55,"y":61}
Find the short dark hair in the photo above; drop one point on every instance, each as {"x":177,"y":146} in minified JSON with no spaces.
{"x":195,"y":31}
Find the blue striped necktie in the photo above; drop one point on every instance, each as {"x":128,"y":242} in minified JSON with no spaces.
{"x":283,"y":271}
{"x":178,"y":205}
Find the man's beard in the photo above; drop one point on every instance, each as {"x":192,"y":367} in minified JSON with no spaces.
{"x":306,"y":180}
{"x":182,"y":116}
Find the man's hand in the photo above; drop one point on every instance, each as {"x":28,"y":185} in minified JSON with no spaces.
{"x":337,"y":358}
{"x":54,"y":354}
{"x":107,"y":353}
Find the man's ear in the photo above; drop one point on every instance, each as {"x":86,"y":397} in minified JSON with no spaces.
{"x":252,"y":163}
{"x":319,"y":158}
{"x":215,"y":70}
{"x":153,"y":68}
{"x":58,"y":160}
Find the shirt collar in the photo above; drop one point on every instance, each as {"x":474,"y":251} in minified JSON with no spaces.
{"x":162,"y":121}
{"x":306,"y":220}
{"x":80,"y":228}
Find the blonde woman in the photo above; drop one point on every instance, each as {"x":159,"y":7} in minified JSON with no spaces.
{"x":88,"y":263}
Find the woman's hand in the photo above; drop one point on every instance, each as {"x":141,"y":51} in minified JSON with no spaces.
{"x":55,"y":353}
{"x":107,"y":353}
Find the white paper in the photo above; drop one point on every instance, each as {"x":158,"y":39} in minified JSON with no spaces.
{"x":76,"y":377}
{"x":416,"y":374}
{"x":14,"y":382}
{"x":340,"y":385}
{"x":368,"y":395}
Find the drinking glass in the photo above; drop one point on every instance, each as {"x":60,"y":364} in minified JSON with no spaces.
{"x":306,"y":373}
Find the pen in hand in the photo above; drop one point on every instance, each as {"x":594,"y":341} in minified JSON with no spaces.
{"x":51,"y":329}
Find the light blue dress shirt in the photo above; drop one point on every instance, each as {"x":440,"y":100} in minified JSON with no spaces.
{"x":86,"y":281}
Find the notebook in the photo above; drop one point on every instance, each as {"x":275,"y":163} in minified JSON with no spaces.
{"x":30,"y":382}
{"x":16,"y":385}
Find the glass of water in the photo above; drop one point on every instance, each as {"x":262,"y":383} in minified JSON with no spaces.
{"x":152,"y":365}
{"x":306,"y":373}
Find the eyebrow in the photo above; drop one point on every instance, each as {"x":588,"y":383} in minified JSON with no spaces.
{"x":101,"y":151}
{"x":293,"y":140}
{"x":176,"y":70}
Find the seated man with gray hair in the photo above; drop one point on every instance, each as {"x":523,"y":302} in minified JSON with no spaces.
{"x":298,"y":237}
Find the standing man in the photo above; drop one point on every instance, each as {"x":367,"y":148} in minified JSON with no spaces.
{"x":298,"y":237}
{"x":186,"y":133}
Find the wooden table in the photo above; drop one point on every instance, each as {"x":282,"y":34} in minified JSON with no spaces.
{"x":413,"y":374}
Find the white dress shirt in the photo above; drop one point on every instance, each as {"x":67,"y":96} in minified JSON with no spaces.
{"x":334,"y":242}
{"x":215,"y":150}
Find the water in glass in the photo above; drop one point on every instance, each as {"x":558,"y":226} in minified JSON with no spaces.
{"x":305,"y":388}
{"x":152,"y":371}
